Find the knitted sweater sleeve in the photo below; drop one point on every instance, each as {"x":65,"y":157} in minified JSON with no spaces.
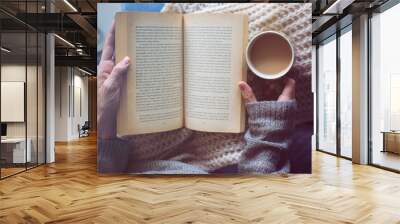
{"x":112,"y":155}
{"x":268,"y":136}
{"x":115,"y":156}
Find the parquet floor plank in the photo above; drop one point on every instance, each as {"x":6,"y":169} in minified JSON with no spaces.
{"x":70,"y":191}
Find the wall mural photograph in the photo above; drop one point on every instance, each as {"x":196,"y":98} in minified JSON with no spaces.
{"x":204,"y":88}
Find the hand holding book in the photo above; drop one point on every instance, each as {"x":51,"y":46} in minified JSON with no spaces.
{"x":109,"y":81}
{"x":112,"y":79}
{"x":185,"y":72}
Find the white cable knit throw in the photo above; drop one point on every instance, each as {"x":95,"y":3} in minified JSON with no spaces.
{"x":264,"y":147}
{"x":292,"y":19}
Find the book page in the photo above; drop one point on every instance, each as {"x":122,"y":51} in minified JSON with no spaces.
{"x":152,"y":94}
{"x":214,"y":63}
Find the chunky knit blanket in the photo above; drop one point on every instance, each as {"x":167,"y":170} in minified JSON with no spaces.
{"x":264,"y":146}
{"x":292,"y":19}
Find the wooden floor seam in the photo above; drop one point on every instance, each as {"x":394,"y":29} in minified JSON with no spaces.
{"x":71,"y":191}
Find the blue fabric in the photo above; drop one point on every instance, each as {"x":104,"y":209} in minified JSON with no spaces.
{"x":146,"y":7}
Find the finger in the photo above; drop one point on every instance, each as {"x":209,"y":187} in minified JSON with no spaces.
{"x":109,"y":94}
{"x":247,"y":92}
{"x":113,"y":80}
{"x":108,"y":48}
{"x":288,"y":92}
{"x":106,"y":66}
{"x":104,"y":70}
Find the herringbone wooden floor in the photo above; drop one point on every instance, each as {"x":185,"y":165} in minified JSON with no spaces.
{"x":70,"y":191}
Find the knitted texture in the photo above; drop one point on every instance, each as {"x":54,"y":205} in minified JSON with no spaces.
{"x":263,"y":147}
{"x":112,"y":156}
{"x":267,"y":138}
{"x":292,"y":19}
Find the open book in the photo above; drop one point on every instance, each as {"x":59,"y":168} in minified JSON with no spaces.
{"x":184,"y":73}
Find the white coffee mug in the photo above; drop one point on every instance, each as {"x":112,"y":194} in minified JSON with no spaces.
{"x":270,"y":55}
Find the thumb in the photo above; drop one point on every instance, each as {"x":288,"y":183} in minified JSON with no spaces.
{"x":247,"y":92}
{"x":118,"y":71}
{"x":288,"y":92}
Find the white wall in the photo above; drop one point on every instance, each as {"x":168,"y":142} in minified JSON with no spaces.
{"x":61,"y":104}
{"x":16,"y":72}
{"x":67,"y":115}
{"x":33,"y":126}
{"x":80,"y":84}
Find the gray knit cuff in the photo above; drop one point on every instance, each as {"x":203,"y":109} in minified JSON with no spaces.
{"x":268,"y":136}
{"x":271,"y":119}
{"x":272,"y":110}
{"x":112,"y":156}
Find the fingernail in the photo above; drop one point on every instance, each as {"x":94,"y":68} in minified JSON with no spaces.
{"x":127,"y":60}
{"x":241,"y":86}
